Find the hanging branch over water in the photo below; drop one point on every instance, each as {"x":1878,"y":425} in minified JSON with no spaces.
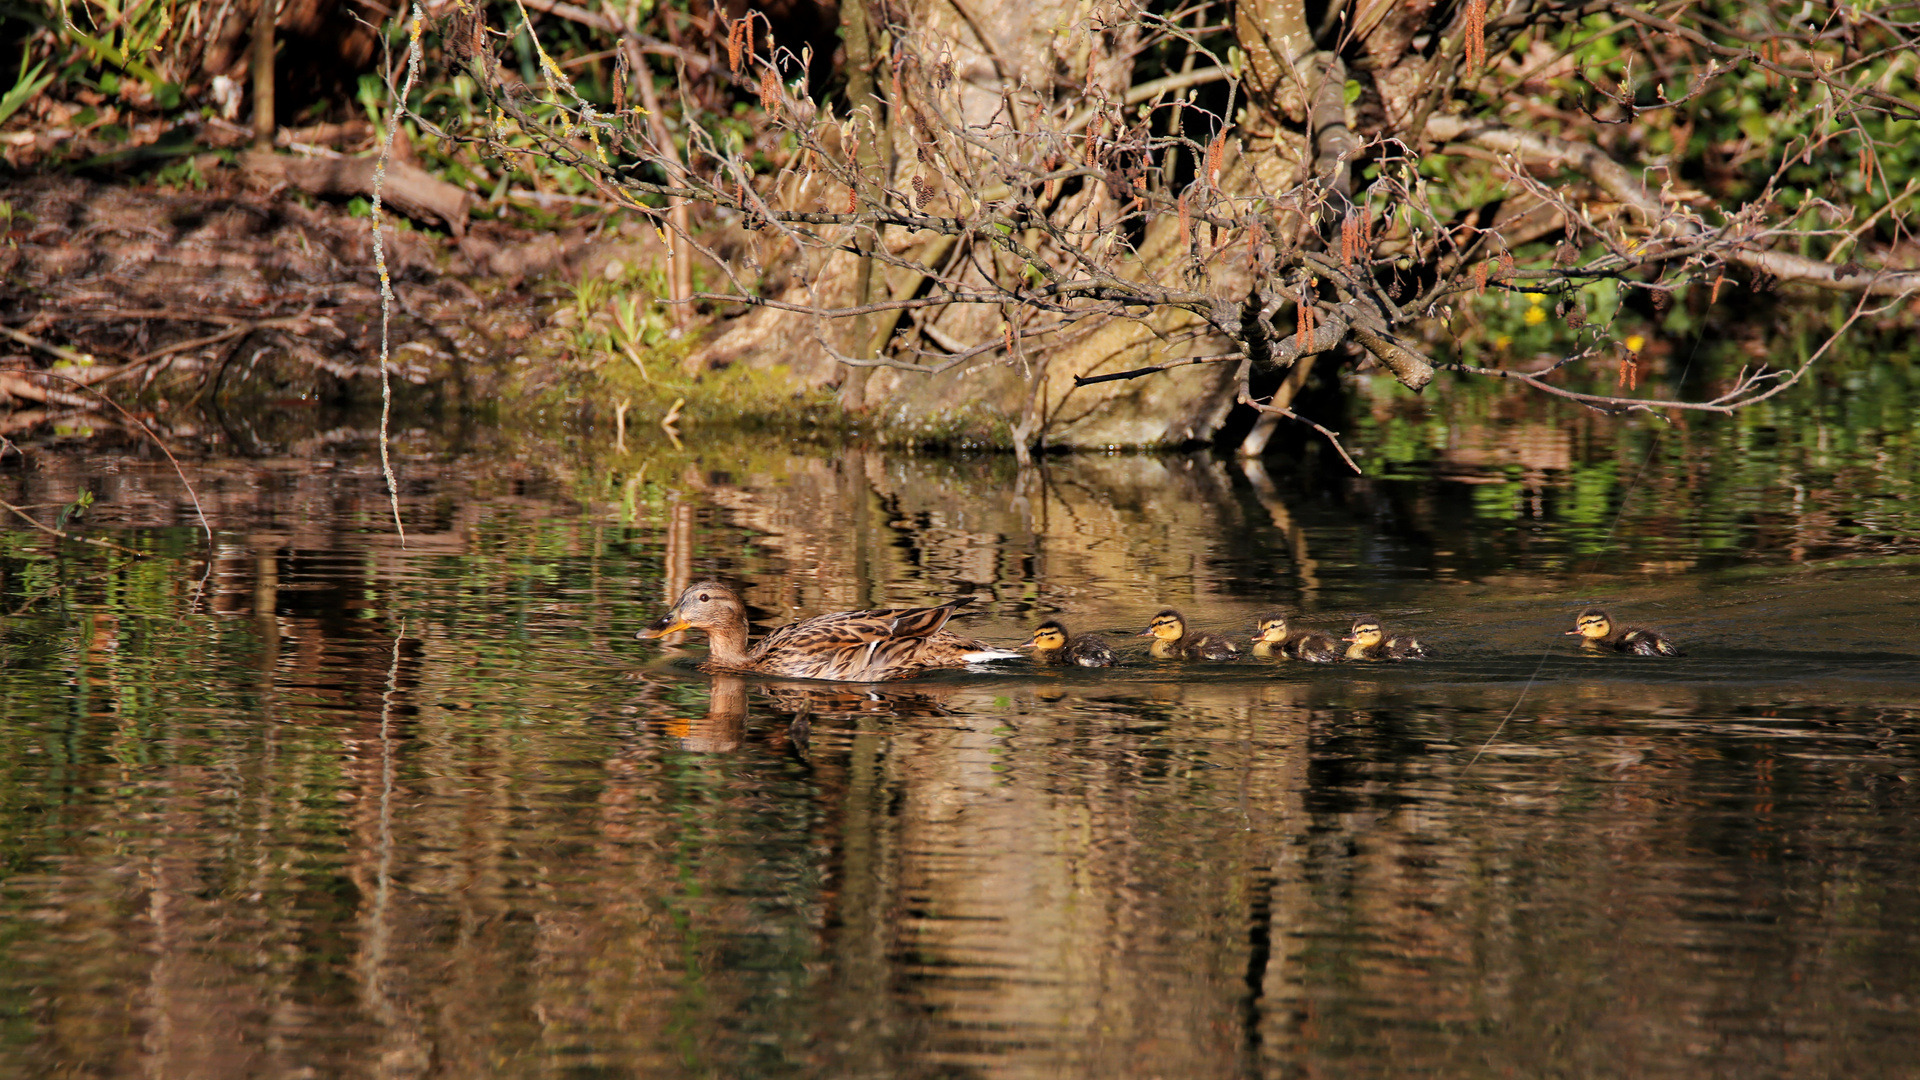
{"x":395,"y":117}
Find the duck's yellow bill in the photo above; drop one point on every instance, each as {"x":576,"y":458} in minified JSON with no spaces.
{"x":663,"y":627}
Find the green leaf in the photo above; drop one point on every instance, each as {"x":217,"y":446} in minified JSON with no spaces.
{"x":25,"y":90}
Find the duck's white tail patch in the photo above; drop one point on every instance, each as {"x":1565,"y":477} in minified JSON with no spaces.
{"x":983,"y":655}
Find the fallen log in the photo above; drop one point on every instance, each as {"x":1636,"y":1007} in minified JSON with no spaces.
{"x":409,"y":190}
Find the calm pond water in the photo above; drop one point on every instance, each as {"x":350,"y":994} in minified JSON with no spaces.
{"x":324,"y":805}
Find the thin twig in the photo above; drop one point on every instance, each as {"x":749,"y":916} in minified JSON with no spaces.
{"x":1135,"y":373}
{"x":394,"y":119}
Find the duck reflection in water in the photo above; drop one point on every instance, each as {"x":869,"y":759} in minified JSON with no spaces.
{"x":724,"y":728}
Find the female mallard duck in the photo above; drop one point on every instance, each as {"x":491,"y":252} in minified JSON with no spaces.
{"x":1051,"y":644}
{"x":1172,"y":640}
{"x":1599,"y":631}
{"x":1271,"y":637}
{"x":1369,"y":642}
{"x":846,"y":646}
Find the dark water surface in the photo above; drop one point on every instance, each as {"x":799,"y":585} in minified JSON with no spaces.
{"x":326,"y":806}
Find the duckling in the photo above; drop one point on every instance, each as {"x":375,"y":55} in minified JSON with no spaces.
{"x":1369,"y":642}
{"x":1272,"y":637}
{"x":1172,"y":640}
{"x":1051,"y":644}
{"x":845,"y":646}
{"x":1598,"y":629}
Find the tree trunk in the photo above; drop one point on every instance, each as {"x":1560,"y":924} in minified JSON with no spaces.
{"x":1008,"y":60}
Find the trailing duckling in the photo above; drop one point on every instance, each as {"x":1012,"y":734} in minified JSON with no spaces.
{"x":1051,"y":644}
{"x":1600,"y":632}
{"x":1369,"y":642}
{"x":1173,"y":641}
{"x":1272,"y":638}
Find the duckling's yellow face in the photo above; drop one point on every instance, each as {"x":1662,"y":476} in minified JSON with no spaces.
{"x":703,"y":606}
{"x":1167,"y":626}
{"x":1272,"y":628}
{"x":1366,"y":634}
{"x":1592,"y":625}
{"x":1048,"y":638}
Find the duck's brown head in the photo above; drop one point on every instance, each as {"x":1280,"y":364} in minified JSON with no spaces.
{"x":1366,"y":632}
{"x":1048,"y":637}
{"x":1271,"y":628}
{"x":1592,"y":624}
{"x":706,"y":605}
{"x":1167,"y":626}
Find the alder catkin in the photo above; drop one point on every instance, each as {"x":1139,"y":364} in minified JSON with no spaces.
{"x":769,"y":88}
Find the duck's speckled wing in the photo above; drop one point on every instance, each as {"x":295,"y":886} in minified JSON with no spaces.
{"x":1208,"y":647}
{"x":1407,"y":647}
{"x":1643,"y":642}
{"x":1091,"y":651}
{"x":870,"y":646}
{"x":1313,"y":648}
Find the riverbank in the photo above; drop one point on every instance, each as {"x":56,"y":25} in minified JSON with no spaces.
{"x":233,"y":298}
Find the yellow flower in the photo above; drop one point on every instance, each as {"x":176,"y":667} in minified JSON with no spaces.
{"x":1500,"y":343}
{"x":1635,"y":342}
{"x":1534,"y":316}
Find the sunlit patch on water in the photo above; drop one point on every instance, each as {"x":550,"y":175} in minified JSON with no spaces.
{"x":323,"y":802}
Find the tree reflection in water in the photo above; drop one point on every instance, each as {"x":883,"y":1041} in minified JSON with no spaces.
{"x":354,"y":808}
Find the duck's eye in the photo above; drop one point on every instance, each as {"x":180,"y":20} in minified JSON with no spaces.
{"x":703,"y":598}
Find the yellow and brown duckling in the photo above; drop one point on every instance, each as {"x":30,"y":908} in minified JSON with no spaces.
{"x":1272,"y":638}
{"x":1599,"y":631}
{"x":846,"y":646}
{"x":1173,"y":641}
{"x":1051,"y":644}
{"x":1369,"y":642}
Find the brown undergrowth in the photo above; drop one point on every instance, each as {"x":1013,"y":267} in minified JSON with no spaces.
{"x":265,"y":299}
